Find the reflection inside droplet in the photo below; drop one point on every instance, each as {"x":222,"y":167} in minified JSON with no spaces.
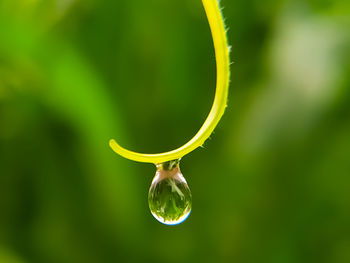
{"x":169,"y":197}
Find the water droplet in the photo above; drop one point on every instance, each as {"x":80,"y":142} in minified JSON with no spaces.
{"x":169,"y":197}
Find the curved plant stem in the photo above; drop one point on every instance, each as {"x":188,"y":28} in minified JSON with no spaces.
{"x":223,"y":75}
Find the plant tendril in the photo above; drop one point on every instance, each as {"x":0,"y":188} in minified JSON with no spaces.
{"x":222,"y":83}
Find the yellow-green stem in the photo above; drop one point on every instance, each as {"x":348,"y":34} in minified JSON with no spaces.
{"x":222,"y":83}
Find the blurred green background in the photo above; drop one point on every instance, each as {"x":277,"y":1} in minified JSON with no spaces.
{"x":272,"y":184}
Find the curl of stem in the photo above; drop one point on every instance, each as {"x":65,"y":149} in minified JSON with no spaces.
{"x":222,"y":83}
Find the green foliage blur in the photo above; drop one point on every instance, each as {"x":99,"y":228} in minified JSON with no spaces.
{"x":271,"y":185}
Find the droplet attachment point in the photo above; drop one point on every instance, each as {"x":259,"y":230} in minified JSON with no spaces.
{"x":169,"y":196}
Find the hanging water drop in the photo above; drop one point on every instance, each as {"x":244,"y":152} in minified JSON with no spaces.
{"x":169,"y":196}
